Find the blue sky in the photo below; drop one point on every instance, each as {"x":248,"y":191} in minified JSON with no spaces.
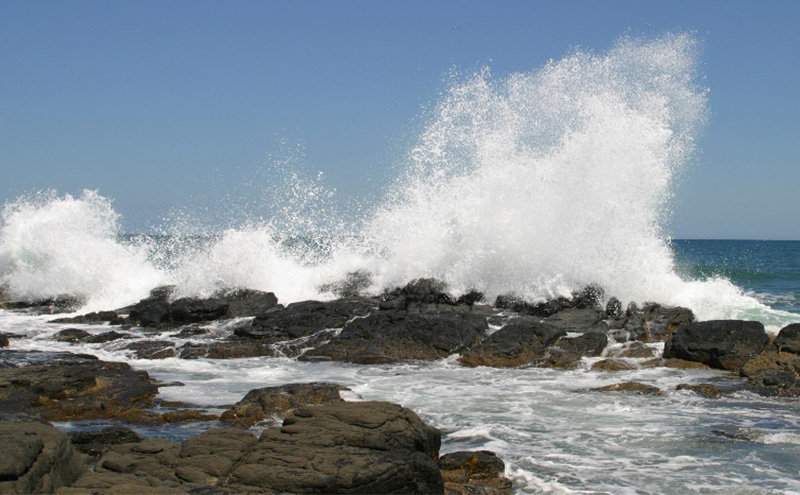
{"x":162,"y":104}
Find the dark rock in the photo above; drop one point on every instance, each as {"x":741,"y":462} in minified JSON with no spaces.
{"x":58,"y":304}
{"x":469,"y":473}
{"x":354,"y":285}
{"x":722,"y":344}
{"x":36,"y":458}
{"x":190,"y":310}
{"x":589,"y":344}
{"x":89,"y":389}
{"x":229,"y":349}
{"x":656,"y":323}
{"x":15,"y":359}
{"x":788,"y":339}
{"x":614,"y":308}
{"x":773,"y":373}
{"x":421,"y":291}
{"x":93,"y":318}
{"x":630,"y":387}
{"x":523,"y":341}
{"x":579,"y":320}
{"x":190,"y":331}
{"x":304,"y":318}
{"x":163,"y":292}
{"x":356,"y":447}
{"x":263,"y":403}
{"x":71,"y":335}
{"x":705,"y":389}
{"x":152,"y":349}
{"x":248,"y":302}
{"x":4,"y":340}
{"x":394,"y":336}
{"x":150,"y":312}
{"x":96,"y":442}
{"x":106,"y":337}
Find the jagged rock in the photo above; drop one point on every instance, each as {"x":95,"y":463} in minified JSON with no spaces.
{"x":357,"y":447}
{"x":304,"y":318}
{"x":788,"y":339}
{"x":614,"y":308}
{"x":88,"y":389}
{"x":263,"y":403}
{"x":471,"y":473}
{"x":773,"y":373}
{"x":422,"y":291}
{"x":394,"y":336}
{"x":630,"y":387}
{"x":96,"y":442}
{"x":613,"y":365}
{"x":656,"y":323}
{"x":705,"y":389}
{"x":36,"y":458}
{"x":722,"y":344}
{"x":523,"y":341}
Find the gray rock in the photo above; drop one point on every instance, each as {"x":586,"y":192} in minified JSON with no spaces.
{"x":263,"y":403}
{"x":523,"y":341}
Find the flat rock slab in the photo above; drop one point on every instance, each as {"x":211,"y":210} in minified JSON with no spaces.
{"x":354,"y":447}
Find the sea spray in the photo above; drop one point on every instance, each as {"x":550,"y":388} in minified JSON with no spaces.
{"x":52,"y":246}
{"x":535,"y":183}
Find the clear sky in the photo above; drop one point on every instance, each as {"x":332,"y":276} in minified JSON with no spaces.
{"x":158,"y":104}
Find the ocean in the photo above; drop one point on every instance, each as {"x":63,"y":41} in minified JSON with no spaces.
{"x":538,"y":183}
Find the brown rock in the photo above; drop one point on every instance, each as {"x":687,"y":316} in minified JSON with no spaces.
{"x":263,"y":403}
{"x":613,"y":365}
{"x":706,"y":390}
{"x":469,"y":473}
{"x":630,"y":387}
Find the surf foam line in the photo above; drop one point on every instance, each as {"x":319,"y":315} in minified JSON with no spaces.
{"x":536,"y":183}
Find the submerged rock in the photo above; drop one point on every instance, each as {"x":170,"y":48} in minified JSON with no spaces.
{"x":631,"y":387}
{"x":395,"y":336}
{"x":721,"y":344}
{"x":78,"y":389}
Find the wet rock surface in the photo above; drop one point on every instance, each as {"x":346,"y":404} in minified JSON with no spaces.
{"x":522,"y":341}
{"x":393,"y":336}
{"x":304,"y":318}
{"x":263,"y":403}
{"x":721,"y":344}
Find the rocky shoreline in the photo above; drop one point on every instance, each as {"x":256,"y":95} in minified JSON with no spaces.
{"x":325,"y":444}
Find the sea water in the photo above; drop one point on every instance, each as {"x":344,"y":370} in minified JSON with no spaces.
{"x":536,"y":183}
